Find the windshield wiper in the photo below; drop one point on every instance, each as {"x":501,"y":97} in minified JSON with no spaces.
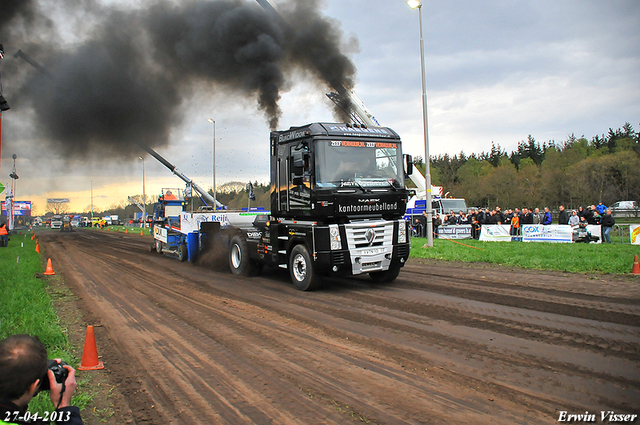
{"x":359,"y":185}
{"x":352,"y":183}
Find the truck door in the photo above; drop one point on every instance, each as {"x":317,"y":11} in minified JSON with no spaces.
{"x":299,"y":178}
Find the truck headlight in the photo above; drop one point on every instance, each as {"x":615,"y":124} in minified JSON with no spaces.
{"x":402,"y":231}
{"x":334,"y":236}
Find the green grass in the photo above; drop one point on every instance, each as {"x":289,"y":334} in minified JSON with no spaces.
{"x":26,"y":308}
{"x":572,"y":257}
{"x":120,"y":229}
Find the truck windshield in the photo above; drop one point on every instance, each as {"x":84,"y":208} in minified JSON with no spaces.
{"x":359,"y":164}
{"x":452,"y":205}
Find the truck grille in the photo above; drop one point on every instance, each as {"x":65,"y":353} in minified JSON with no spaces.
{"x":369,"y":234}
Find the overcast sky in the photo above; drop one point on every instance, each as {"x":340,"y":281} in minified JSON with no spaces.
{"x":497,"y":71}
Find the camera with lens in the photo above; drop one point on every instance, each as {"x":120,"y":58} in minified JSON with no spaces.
{"x":59,"y":372}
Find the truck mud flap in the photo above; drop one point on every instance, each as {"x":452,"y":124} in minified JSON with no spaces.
{"x":214,"y":246}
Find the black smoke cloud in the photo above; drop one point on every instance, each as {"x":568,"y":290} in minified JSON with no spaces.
{"x":126,"y":79}
{"x":12,"y":10}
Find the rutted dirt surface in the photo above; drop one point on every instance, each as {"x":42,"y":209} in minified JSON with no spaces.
{"x":444,"y":343}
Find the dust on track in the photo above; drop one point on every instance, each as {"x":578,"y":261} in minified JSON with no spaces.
{"x":443,"y":344}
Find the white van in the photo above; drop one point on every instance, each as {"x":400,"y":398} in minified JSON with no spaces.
{"x":625,"y":209}
{"x":624,"y":205}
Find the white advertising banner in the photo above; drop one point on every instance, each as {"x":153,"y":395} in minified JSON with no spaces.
{"x":559,"y":233}
{"x":634,"y":233}
{"x":190,"y":222}
{"x":495,"y":232}
{"x":461,"y":231}
{"x":596,"y":231}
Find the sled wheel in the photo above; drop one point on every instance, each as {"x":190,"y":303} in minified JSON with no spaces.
{"x":182,"y":252}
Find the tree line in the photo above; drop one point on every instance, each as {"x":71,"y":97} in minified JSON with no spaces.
{"x":576,"y":171}
{"x":573,"y":172}
{"x":228,"y":194}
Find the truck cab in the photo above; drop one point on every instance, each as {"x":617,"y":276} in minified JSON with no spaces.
{"x":337,"y":200}
{"x":337,"y":173}
{"x":56,"y":222}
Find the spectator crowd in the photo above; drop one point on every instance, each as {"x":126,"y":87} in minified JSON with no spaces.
{"x":515,"y":218}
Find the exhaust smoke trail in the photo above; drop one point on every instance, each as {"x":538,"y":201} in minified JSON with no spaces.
{"x":127,"y":73}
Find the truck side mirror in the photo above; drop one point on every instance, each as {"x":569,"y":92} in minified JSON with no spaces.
{"x":408,"y":164}
{"x":299,"y":161}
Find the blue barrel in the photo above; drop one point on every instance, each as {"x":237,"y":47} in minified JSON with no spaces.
{"x":193,"y":245}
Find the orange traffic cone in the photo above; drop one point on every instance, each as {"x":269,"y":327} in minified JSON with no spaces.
{"x":636,"y":266}
{"x":90,"y":359}
{"x":126,"y":230}
{"x":141,"y":234}
{"x":49,"y":271}
{"x":33,"y":235}
{"x":37,"y":247}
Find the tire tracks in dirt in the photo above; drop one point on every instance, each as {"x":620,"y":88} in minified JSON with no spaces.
{"x":202,"y":346}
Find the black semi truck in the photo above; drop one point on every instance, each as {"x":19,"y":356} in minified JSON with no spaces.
{"x":338,"y":197}
{"x":337,"y":201}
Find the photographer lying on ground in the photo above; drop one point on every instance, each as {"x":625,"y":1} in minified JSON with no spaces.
{"x":24,"y":371}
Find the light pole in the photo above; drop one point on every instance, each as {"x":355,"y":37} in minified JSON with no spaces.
{"x":215,"y":202}
{"x":144,"y":196}
{"x":416,"y":4}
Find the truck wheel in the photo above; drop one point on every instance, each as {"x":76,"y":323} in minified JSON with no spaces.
{"x":158,"y":246}
{"x":301,"y":269}
{"x":182,"y":252}
{"x":386,"y":276}
{"x":239,"y":261}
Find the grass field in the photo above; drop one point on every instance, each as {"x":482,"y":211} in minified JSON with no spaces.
{"x":570,"y":257}
{"x":26,"y":308}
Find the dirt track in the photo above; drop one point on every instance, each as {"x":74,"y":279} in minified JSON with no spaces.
{"x":443,"y":344}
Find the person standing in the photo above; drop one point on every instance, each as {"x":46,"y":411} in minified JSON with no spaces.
{"x":527,"y":217}
{"x":4,"y":235}
{"x":475,"y":224}
{"x":607,"y":224}
{"x":546,"y":220}
{"x":574,"y":220}
{"x":452,"y":220}
{"x":437,"y":222}
{"x":583,"y":213}
{"x":601,"y":208}
{"x":563,"y":216}
{"x":536,"y":216}
{"x":500,"y":217}
{"x":462,"y":218}
{"x":515,"y":225}
{"x":592,"y":215}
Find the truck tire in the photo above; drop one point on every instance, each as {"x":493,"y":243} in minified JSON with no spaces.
{"x":158,"y":246}
{"x":386,"y":276}
{"x":239,"y":261}
{"x":301,"y":269}
{"x":182,"y":252}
